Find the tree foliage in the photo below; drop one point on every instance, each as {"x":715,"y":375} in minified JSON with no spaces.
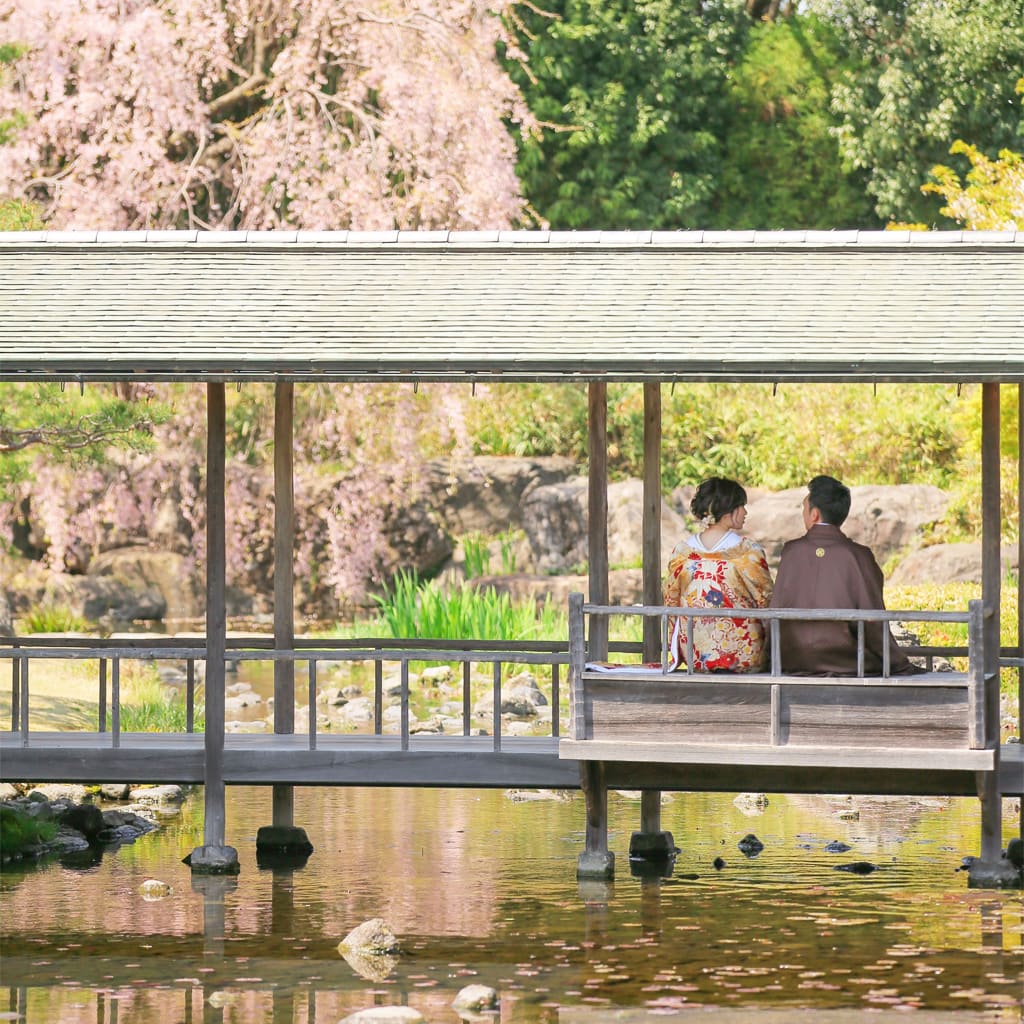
{"x":72,"y":428}
{"x":931,"y":71}
{"x":781,"y":167}
{"x":991,"y":198}
{"x":260,"y":113}
{"x":631,"y":95}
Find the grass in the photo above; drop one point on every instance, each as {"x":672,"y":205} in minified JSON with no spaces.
{"x":52,"y":618}
{"x":413,"y":608}
{"x":20,"y":832}
{"x":149,"y":705}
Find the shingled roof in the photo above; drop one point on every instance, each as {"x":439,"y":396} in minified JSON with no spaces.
{"x":774,"y":306}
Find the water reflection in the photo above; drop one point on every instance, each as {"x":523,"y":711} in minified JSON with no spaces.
{"x":481,"y":889}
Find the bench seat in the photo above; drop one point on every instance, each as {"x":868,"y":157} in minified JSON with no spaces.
{"x":644,"y":715}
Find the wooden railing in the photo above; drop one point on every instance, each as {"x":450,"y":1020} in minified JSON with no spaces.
{"x":24,"y":652}
{"x":632,"y":704}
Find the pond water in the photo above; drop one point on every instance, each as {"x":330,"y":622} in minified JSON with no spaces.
{"x":481,"y":888}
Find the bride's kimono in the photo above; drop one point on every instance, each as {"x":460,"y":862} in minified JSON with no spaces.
{"x":733,"y":574}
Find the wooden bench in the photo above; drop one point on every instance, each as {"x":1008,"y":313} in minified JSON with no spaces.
{"x":933,"y":720}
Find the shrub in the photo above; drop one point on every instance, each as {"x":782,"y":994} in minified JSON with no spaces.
{"x":20,"y":832}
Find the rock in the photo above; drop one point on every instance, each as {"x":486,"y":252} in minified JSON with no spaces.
{"x":476,"y":998}
{"x":1015,"y":853}
{"x":525,"y":685}
{"x":114,"y":790}
{"x":750,"y":845}
{"x":163,"y":575}
{"x":384,"y":1015}
{"x":169,"y":794}
{"x":373,"y":936}
{"x":555,"y":521}
{"x":885,"y":518}
{"x":947,"y":563}
{"x":837,"y":847}
{"x":524,"y":795}
{"x":433,"y":724}
{"x":518,"y":707}
{"x":486,"y":494}
{"x":436,"y":674}
{"x":154,"y":889}
{"x":858,"y":867}
{"x":718,"y":863}
{"x":625,"y":513}
{"x":751,"y":803}
{"x":625,"y":586}
{"x":72,"y":792}
{"x":415,"y":540}
{"x":372,"y":966}
{"x":68,"y":840}
{"x":357,"y":711}
{"x":7,"y":791}
{"x":351,"y":692}
{"x":84,"y":818}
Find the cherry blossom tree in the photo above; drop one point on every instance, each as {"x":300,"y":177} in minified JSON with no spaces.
{"x":318,"y":114}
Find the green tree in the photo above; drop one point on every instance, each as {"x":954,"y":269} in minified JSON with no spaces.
{"x":633,"y":98}
{"x":71,"y":426}
{"x":932,"y":70}
{"x":782,"y":167}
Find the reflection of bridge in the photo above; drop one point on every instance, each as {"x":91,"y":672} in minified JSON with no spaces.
{"x":762,"y":308}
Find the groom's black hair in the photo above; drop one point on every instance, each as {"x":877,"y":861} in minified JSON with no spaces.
{"x":831,"y":498}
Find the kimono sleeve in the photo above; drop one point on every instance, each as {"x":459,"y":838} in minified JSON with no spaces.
{"x":756,"y":574}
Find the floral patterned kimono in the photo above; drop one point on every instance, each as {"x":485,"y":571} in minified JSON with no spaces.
{"x":734,"y":574}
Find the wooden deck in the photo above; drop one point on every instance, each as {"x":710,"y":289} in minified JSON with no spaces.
{"x":471,"y":762}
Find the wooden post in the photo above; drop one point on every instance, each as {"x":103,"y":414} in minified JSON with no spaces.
{"x":596,"y":860}
{"x":597,"y":516}
{"x":650,"y":800}
{"x":991,"y":573}
{"x":216,"y":618}
{"x":284,"y":599}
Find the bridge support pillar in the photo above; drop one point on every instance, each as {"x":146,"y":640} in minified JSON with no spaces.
{"x":596,"y":860}
{"x":652,"y":843}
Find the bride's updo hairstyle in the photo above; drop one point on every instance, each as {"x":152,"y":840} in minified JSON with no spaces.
{"x":716,"y":497}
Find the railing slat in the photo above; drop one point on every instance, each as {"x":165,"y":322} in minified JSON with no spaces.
{"x":497,"y":706}
{"x":115,"y":704}
{"x":405,"y":703}
{"x":103,"y":696}
{"x":378,"y":697}
{"x":312,"y":704}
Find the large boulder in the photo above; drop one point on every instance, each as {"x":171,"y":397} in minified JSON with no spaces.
{"x":947,"y":563}
{"x":415,"y":540}
{"x":625,"y":586}
{"x":555,"y":520}
{"x":888,"y":519}
{"x":486,"y":494}
{"x":142,"y":571}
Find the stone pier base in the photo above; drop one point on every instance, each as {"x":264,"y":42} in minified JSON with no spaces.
{"x":652,"y":845}
{"x":282,"y":846}
{"x":213,"y":860}
{"x":993,"y":874}
{"x":598,"y":865}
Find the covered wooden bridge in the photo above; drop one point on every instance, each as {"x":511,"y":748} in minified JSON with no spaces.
{"x":760,"y":307}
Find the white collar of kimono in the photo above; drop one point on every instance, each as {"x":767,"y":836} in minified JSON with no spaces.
{"x":728,"y":540}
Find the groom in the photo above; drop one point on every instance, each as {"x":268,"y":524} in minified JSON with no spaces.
{"x":825,"y":569}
